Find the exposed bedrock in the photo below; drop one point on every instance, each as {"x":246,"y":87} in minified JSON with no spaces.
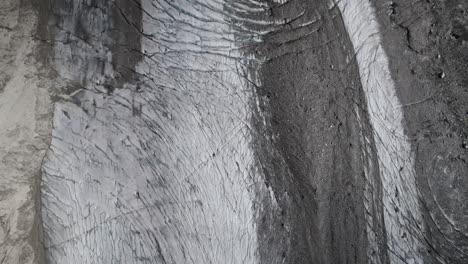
{"x":243,"y":131}
{"x":25,"y":128}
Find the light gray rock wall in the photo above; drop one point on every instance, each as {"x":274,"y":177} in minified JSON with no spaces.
{"x":25,"y":115}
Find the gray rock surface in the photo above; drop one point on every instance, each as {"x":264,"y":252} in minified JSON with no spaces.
{"x":244,"y":131}
{"x":25,"y":114}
